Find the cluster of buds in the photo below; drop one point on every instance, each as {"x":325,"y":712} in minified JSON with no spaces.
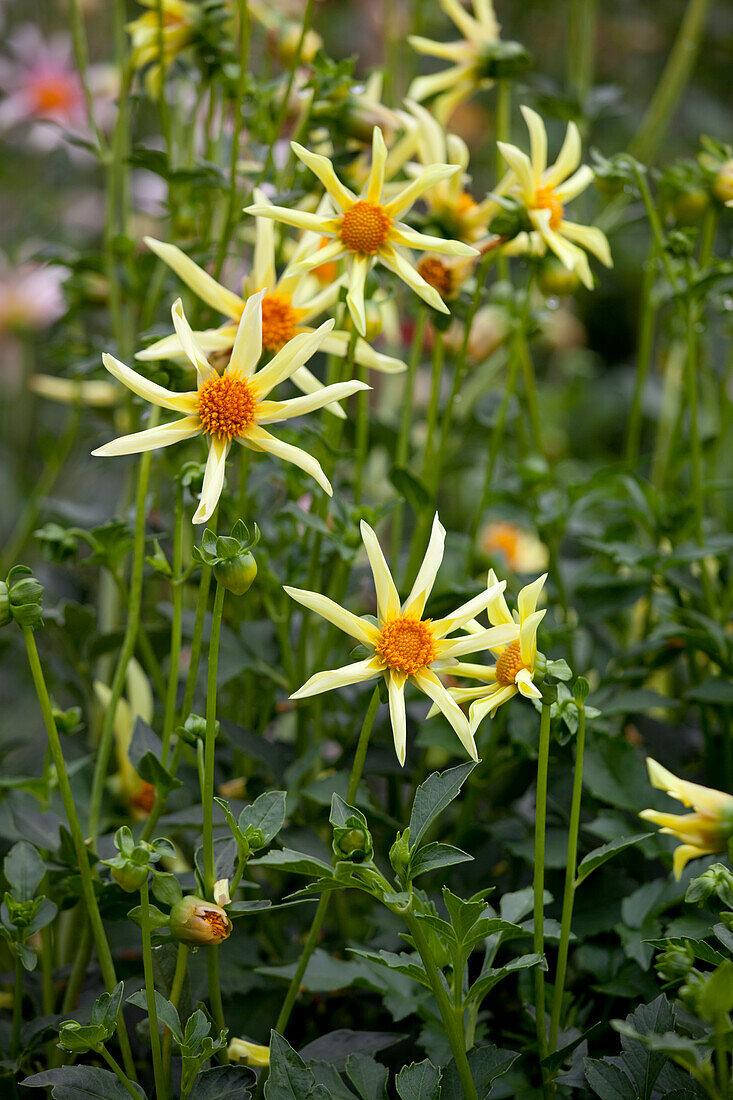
{"x":131,"y":866}
{"x":21,"y":598}
{"x":230,"y":557}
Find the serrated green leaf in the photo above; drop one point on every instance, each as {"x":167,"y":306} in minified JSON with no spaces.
{"x":432,"y":797}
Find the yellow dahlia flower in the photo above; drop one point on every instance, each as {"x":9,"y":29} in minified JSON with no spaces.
{"x":544,"y":192}
{"x":514,"y":669}
{"x":480,"y":31}
{"x":366,"y":228}
{"x":403,"y":646}
{"x":179,"y":22}
{"x":703,"y":832}
{"x":232,"y":405}
{"x":290,"y":305}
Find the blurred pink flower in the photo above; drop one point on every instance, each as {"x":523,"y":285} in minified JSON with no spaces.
{"x":42,"y":95}
{"x":31,"y":297}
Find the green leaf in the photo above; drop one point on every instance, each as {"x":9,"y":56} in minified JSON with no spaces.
{"x":419,"y":1081}
{"x":167,"y":1013}
{"x":368,"y":1077}
{"x":432,"y":797}
{"x":24,"y":870}
{"x":487,"y":981}
{"x":600,"y":855}
{"x":166,"y":888}
{"x":402,"y":964}
{"x":486,"y":1063}
{"x":289,"y":1078}
{"x":714,"y":690}
{"x":608,"y":1081}
{"x":436,"y":855}
{"x":266,"y":813}
{"x":223,"y":1083}
{"x":408,"y":486}
{"x":81,"y":1083}
{"x":716,"y":997}
{"x":297,"y":863}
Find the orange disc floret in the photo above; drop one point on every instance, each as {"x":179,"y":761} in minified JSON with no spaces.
{"x":437,"y":274}
{"x":406,"y":644}
{"x":279,"y":321}
{"x":508,"y":664}
{"x":365,"y":228}
{"x":217,"y":922}
{"x":546,"y":199}
{"x":503,"y":537}
{"x":227,"y":406}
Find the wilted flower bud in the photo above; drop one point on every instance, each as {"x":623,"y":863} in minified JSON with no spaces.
{"x":675,"y":962}
{"x":198,"y":922}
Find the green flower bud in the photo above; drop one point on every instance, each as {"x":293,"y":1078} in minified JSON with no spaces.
{"x":675,"y":962}
{"x":399,"y":853}
{"x":715,"y":880}
{"x":131,"y":876}
{"x":230,"y":557}
{"x":5,"y":615}
{"x":556,"y":280}
{"x":237,"y":573}
{"x":353,"y":842}
{"x":199,"y":923}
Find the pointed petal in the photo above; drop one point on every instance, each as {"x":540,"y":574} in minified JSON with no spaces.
{"x":396,"y":689}
{"x":429,"y":683}
{"x":170,"y":347}
{"x":482,"y":707}
{"x":201,"y":283}
{"x":356,"y":673}
{"x":306,"y":381}
{"x":388,"y":600}
{"x":476,"y":643}
{"x":263,"y":261}
{"x":213,"y":478}
{"x":294,"y":355}
{"x":528,"y":636}
{"x":263,"y":441}
{"x":568,"y":158}
{"x":410,"y":238}
{"x":425,"y":579}
{"x":498,"y":610}
{"x":487,"y":673}
{"x":193,"y":352}
{"x":298,"y":218}
{"x":704,"y":799}
{"x":526,"y":686}
{"x":683,"y":853}
{"x":522,"y":166}
{"x":358,"y":270}
{"x":591,"y":238}
{"x":299,"y":406}
{"x":428,"y":178}
{"x":319,"y":256}
{"x":375,"y":183}
{"x":466,"y":24}
{"x":248,"y":342}
{"x":365,"y":355}
{"x":359,"y":629}
{"x":157,"y":395}
{"x":527,"y":598}
{"x":151,"y":438}
{"x":393,"y":261}
{"x":323,"y":169}
{"x":466,"y":611}
{"x":537,"y":142}
{"x":574,"y":185}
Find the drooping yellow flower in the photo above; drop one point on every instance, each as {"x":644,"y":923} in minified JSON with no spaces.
{"x":366,"y":228}
{"x":703,"y":832}
{"x":231,"y":406}
{"x":467,"y":75}
{"x":403,"y":646}
{"x":544,"y":192}
{"x":514,"y":669}
{"x":292,"y":302}
{"x":179,"y":21}
{"x":254,"y":1054}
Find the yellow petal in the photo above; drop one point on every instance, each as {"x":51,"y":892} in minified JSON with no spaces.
{"x":201,"y":283}
{"x":151,"y":438}
{"x":388,"y":600}
{"x":213,"y":478}
{"x":248,"y":341}
{"x":396,"y":690}
{"x":150,"y":391}
{"x":425,"y":579}
{"x":357,"y":673}
{"x":328,"y":609}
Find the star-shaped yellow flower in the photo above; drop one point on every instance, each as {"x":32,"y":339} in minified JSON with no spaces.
{"x":403,"y":646}
{"x":231,"y":406}
{"x":366,"y":228}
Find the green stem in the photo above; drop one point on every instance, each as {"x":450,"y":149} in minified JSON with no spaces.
{"x":569,"y":894}
{"x":356,"y":772}
{"x":643,"y":354}
{"x":434,"y":403}
{"x":452,"y":1022}
{"x":503,"y":127}
{"x":698,"y":498}
{"x":402,"y":448}
{"x":539,"y":876}
{"x":202,"y":601}
{"x":207,"y":793}
{"x":581,"y":47}
{"x":244,"y":38}
{"x":674,"y":78}
{"x":106,"y":740}
{"x":179,"y":976}
{"x":217,"y":1007}
{"x":49,"y":998}
{"x":177,"y":582}
{"x":530,"y":388}
{"x":119,"y":1073}
{"x":81,"y":56}
{"x":79,"y":969}
{"x":160,"y":1089}
{"x":165,"y":118}
{"x":18,"y":990}
{"x":82,"y":855}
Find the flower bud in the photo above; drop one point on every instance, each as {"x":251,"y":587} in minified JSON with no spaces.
{"x":556,"y":280}
{"x":675,"y":962}
{"x":353,"y":842}
{"x":131,"y":876}
{"x":5,"y":615}
{"x":723,"y":183}
{"x":198,"y":922}
{"x":399,"y":853}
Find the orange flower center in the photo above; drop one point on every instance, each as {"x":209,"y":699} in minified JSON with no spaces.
{"x":365,"y":227}
{"x":407,"y":644}
{"x":218,"y":923}
{"x":464,"y":203}
{"x":508,"y":664}
{"x":227,"y":406}
{"x":326,"y":273}
{"x":54,"y":94}
{"x":279,"y":321}
{"x":437,"y":273}
{"x":546,"y":199}
{"x":503,"y":537}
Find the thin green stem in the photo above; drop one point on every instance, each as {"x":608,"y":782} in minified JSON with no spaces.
{"x":81,"y":56}
{"x":202,"y":601}
{"x":119,"y":1073}
{"x":79,"y":969}
{"x":106,"y":740}
{"x":215,"y":1001}
{"x":645,"y":345}
{"x":177,"y":582}
{"x":179,"y":977}
{"x":698,"y":499}
{"x":452,"y":1022}
{"x":165,"y":118}
{"x":672,"y":83}
{"x":207,"y":793}
{"x":357,"y":769}
{"x":569,"y":892}
{"x":503,"y":127}
{"x":87,"y":879}
{"x":49,"y":997}
{"x":18,"y":992}
{"x":160,"y":1089}
{"x":581,"y":47}
{"x":362,"y":436}
{"x":539,"y":876}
